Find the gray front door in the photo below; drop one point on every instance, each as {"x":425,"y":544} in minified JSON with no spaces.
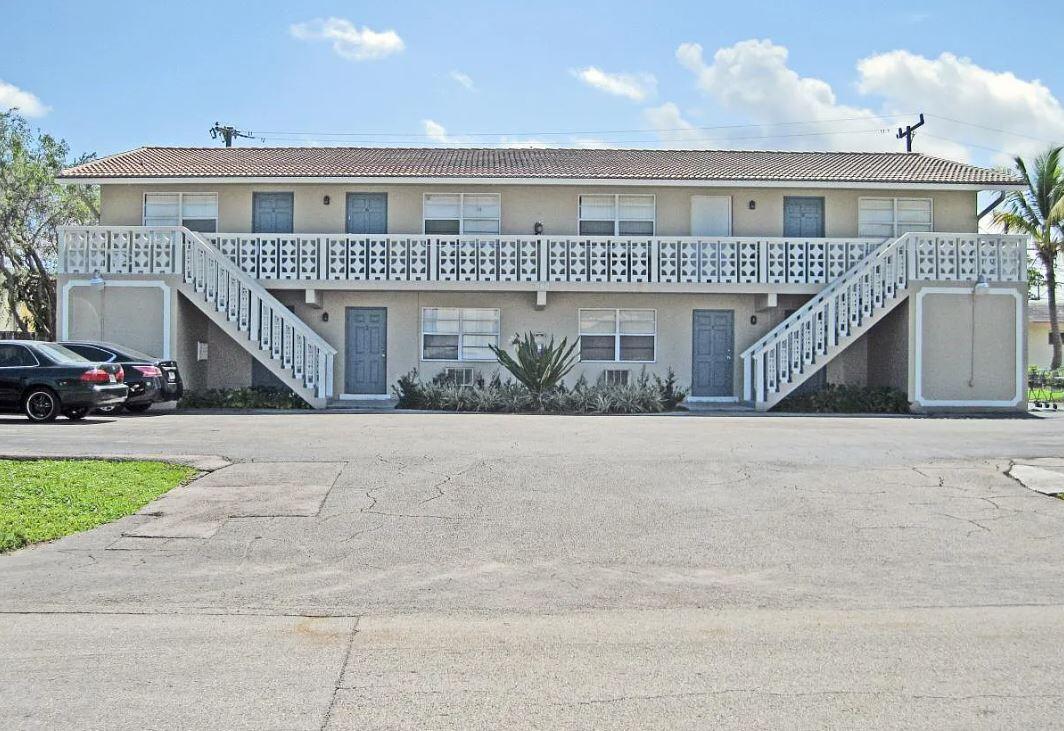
{"x":803,"y":216}
{"x":713,"y":373}
{"x":367,"y":213}
{"x":271,"y":213}
{"x":366,"y":361}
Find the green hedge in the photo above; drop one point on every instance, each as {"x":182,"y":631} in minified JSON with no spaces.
{"x":254,"y":397}
{"x":837,"y":399}
{"x":644,"y":396}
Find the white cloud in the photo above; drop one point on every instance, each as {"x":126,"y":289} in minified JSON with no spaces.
{"x":592,"y":143}
{"x":674,"y":130}
{"x":434,"y":130}
{"x":637,"y":87}
{"x":753,"y":78}
{"x":958,"y":88}
{"x":12,"y":97}
{"x":463,"y":80}
{"x":348,"y":40}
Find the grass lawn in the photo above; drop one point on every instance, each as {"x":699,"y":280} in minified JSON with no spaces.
{"x":41,"y":500}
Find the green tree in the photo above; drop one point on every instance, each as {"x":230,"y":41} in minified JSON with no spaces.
{"x":32,"y":206}
{"x":1038,"y":211}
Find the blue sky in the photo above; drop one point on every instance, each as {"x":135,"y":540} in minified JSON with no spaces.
{"x":109,"y":76}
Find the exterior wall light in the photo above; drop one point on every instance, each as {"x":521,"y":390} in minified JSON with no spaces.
{"x":325,"y":317}
{"x":752,"y":205}
{"x":982,"y":284}
{"x":753,"y":319}
{"x":326,"y":200}
{"x":97,"y":280}
{"x":537,"y":228}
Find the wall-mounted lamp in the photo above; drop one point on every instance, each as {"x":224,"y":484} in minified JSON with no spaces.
{"x":752,"y":205}
{"x":326,"y":200}
{"x":537,"y":228}
{"x":325,"y":317}
{"x":982,"y":284}
{"x":97,"y":280}
{"x":753,"y":319}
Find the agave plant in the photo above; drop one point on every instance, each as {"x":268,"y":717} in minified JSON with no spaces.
{"x":539,"y":369}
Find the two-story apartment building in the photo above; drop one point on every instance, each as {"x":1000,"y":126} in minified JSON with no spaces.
{"x":748,"y":273}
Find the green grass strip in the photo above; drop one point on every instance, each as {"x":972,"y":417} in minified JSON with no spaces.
{"x":41,"y":500}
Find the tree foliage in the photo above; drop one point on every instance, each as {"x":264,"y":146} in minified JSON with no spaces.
{"x":32,"y":206}
{"x":1038,"y":211}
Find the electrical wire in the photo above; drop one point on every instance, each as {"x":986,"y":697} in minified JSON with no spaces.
{"x":405,"y":135}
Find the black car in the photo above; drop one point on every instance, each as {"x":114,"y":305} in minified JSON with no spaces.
{"x":150,"y":379}
{"x":44,"y":380}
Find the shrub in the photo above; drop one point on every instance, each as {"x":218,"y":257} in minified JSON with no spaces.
{"x":539,"y":369}
{"x":253,"y":397}
{"x":495,"y":396}
{"x":841,"y":399}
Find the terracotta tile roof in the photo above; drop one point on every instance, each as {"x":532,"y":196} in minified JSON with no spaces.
{"x":609,"y":164}
{"x":1038,"y":311}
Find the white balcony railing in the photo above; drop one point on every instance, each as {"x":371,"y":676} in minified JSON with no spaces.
{"x":542,"y":259}
{"x":412,"y":258}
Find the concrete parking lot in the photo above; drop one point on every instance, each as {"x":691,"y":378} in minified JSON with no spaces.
{"x":478,"y":571}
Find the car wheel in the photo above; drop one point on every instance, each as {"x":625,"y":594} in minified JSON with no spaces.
{"x":107,"y":409}
{"x":41,"y":405}
{"x":138,"y":408}
{"x":74,"y":414}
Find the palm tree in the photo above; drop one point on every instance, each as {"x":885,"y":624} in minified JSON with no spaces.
{"x":1039,"y":212}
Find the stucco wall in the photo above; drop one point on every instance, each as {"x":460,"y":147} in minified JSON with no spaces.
{"x":949,"y":368}
{"x":888,"y":354}
{"x":518,"y":315}
{"x":524,"y":205}
{"x":1039,"y":351}
{"x":130,"y":316}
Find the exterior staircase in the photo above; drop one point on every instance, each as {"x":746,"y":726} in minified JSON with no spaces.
{"x":229,"y":297}
{"x":850,"y":306}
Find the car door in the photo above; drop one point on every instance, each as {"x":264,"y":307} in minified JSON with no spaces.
{"x":16,"y":364}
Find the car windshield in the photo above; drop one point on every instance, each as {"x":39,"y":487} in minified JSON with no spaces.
{"x":60,"y":354}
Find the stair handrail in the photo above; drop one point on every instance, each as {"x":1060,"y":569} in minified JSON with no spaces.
{"x":252,"y":285}
{"x":828,"y":291}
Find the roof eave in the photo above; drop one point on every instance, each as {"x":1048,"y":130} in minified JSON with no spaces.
{"x":485,"y":180}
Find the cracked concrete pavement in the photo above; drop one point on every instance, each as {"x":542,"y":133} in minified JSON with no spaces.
{"x":428,"y":570}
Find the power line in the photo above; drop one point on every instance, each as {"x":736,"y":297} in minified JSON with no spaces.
{"x":485,"y":143}
{"x":992,"y":129}
{"x":594,"y":132}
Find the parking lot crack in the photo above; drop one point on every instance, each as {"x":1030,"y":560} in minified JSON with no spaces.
{"x":338,"y":684}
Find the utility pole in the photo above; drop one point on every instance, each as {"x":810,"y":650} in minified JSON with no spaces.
{"x":907,"y":133}
{"x":228,"y":133}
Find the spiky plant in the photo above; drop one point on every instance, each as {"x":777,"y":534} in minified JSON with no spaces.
{"x":539,"y":369}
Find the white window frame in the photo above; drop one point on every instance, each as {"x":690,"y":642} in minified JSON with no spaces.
{"x":617,"y":214}
{"x":180,"y":206}
{"x":894,"y":210}
{"x":617,"y":334}
{"x":461,"y":332}
{"x":461,"y":213}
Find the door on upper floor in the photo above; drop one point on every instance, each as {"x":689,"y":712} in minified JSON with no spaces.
{"x":366,"y":351}
{"x":272,"y":213}
{"x":713,"y":371}
{"x":803,"y":217}
{"x":711,"y":215}
{"x":367,"y":213}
